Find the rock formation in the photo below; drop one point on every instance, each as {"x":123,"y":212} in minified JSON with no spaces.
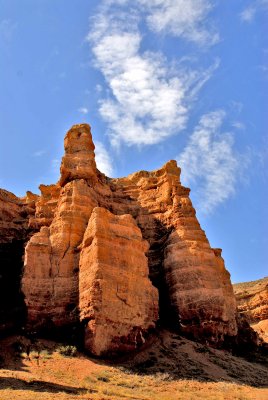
{"x":118,"y":302}
{"x":106,"y":249}
{"x":252,"y":302}
{"x":14,"y":232}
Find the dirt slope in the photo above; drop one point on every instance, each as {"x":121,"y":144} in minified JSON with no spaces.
{"x":170,"y":368}
{"x":252,"y":302}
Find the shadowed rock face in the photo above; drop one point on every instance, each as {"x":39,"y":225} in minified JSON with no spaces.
{"x":13,"y":234}
{"x":20,"y":218}
{"x":104,"y":246}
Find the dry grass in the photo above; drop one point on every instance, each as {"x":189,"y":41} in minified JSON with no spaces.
{"x":172,"y":368}
{"x":245,"y":289}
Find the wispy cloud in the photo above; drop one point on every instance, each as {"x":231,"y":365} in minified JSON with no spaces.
{"x":7,"y":29}
{"x":237,"y":106}
{"x":264,"y":70}
{"x":98,"y":88}
{"x":103,"y":160}
{"x":180,"y":18}
{"x":238,"y":125}
{"x":209,"y":162}
{"x":83,"y":110}
{"x":249,"y":13}
{"x":39,"y":153}
{"x":149,"y":99}
{"x":186,"y":19}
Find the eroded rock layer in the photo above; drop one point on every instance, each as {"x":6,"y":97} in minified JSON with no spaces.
{"x":196,"y":294}
{"x":13,"y":233}
{"x":252,"y":302}
{"x":50,"y":280}
{"x":118,"y":302}
{"x":87,"y":261}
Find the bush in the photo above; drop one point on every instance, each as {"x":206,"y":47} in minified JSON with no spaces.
{"x":69,"y":351}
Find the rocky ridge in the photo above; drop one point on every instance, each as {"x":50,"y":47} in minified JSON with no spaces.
{"x":100,"y":253}
{"x":252,"y":303}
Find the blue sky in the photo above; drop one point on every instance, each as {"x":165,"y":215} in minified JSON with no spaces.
{"x":156,"y":80}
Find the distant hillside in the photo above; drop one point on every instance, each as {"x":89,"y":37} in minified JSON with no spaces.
{"x":252,"y":301}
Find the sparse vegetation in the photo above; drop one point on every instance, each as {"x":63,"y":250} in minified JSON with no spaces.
{"x":69,"y":351}
{"x":172,"y":369}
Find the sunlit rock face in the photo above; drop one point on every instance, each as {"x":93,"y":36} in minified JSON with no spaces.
{"x":252,"y":303}
{"x":79,"y":159}
{"x":50,"y":280}
{"x":117,"y":255}
{"x":118,"y":303}
{"x":196,"y":296}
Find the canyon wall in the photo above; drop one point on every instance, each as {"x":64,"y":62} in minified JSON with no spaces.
{"x":252,"y":303}
{"x":13,"y":234}
{"x":117,"y":256}
{"x":118,"y":302}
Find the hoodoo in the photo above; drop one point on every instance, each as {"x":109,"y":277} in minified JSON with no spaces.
{"x":118,"y":256}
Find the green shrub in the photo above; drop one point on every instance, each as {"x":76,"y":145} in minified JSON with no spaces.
{"x":69,"y":351}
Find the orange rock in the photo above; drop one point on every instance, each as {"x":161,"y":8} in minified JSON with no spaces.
{"x":79,"y":160}
{"x":45,"y":206}
{"x":195,"y":288}
{"x":50,"y":280}
{"x":93,"y":259}
{"x":118,"y":302}
{"x":252,"y":302}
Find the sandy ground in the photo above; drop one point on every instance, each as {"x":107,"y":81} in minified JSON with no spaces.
{"x":170,"y":368}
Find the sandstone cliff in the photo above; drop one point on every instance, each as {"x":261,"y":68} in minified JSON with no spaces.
{"x":14,"y":232}
{"x":252,"y":302}
{"x":118,"y":302}
{"x":107,"y":249}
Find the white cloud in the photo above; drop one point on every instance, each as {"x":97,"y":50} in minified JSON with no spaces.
{"x":186,"y":19}
{"x":209,"y":162}
{"x":238,"y":125}
{"x":103,"y":160}
{"x":83,"y":110}
{"x":248,"y":14}
{"x":149,"y":101}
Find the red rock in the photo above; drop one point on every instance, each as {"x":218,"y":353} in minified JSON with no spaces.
{"x":196,"y":292}
{"x":50,"y":280}
{"x":74,"y":264}
{"x":252,"y":302}
{"x":45,"y":206}
{"x":118,"y":302}
{"x":79,"y":160}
